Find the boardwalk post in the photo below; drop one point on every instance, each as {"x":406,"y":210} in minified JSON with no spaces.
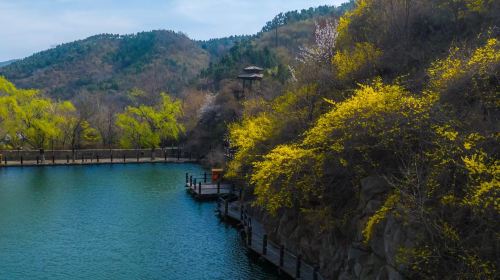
{"x":264,"y":245}
{"x":282,"y":255}
{"x":37,"y":160}
{"x":124,"y":159}
{"x":111,"y":156}
{"x":137,"y":157}
{"x":67,"y":158}
{"x":315,"y":273}
{"x":97,"y":158}
{"x":21,"y":160}
{"x":226,"y":207}
{"x":199,"y":188}
{"x":205,"y":177}
{"x":178,"y":153}
{"x":297,"y":271}
{"x":218,"y":187}
{"x":165,"y":155}
{"x":191,"y":181}
{"x":249,"y":236}
{"x":53,"y":159}
{"x":82,"y":158}
{"x":5,"y":160}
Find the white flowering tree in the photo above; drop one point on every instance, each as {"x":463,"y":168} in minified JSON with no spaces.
{"x":323,"y":49}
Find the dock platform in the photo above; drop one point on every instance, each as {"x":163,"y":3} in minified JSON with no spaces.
{"x":203,"y":188}
{"x":206,"y":191}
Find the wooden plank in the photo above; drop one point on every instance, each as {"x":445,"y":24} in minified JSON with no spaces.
{"x":208,"y":190}
{"x":93,"y":161}
{"x":273,"y":250}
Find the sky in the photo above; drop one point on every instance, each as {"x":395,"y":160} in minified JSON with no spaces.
{"x":29,"y":26}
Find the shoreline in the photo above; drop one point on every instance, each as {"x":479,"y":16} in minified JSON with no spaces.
{"x":105,"y":161}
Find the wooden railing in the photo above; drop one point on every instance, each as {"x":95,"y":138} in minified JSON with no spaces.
{"x":257,"y":240}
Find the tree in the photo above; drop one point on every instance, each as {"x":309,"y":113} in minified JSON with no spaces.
{"x":30,"y":119}
{"x":150,"y":126}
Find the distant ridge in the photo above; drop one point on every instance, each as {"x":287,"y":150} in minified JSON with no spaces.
{"x":162,"y":60}
{"x":5,"y":63}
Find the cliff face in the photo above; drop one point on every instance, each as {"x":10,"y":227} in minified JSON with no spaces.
{"x":344,"y":255}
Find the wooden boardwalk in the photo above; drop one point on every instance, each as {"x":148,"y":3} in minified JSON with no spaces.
{"x":257,"y":241}
{"x":93,"y":161}
{"x":202,"y":188}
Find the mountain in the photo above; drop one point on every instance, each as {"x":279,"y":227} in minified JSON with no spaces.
{"x":162,"y":60}
{"x":153,"y":61}
{"x":5,"y":63}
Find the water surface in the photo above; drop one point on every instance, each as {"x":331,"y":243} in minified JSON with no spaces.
{"x":114,"y":222}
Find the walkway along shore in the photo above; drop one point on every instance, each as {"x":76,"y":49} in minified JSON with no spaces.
{"x":256,"y":239}
{"x":91,"y":157}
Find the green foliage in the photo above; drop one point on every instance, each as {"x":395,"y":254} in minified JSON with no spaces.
{"x":154,"y":61}
{"x":242,"y":54}
{"x":148,"y":126}
{"x":294,"y":16}
{"x":29,"y":118}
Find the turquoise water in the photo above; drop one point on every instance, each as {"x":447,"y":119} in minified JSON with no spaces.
{"x":114,"y":222}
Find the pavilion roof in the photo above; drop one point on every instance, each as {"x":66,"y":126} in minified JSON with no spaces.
{"x":251,"y":76}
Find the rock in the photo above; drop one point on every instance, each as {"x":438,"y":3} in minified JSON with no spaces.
{"x":372,"y":186}
{"x":388,"y":273}
{"x":342,"y":253}
{"x":371,"y":207}
{"x":357,"y":269}
{"x":370,"y":265}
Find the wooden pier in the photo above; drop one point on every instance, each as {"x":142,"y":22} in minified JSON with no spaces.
{"x":202,"y":188}
{"x":257,"y":241}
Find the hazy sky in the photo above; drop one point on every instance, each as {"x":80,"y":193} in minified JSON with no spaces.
{"x":28,"y":26}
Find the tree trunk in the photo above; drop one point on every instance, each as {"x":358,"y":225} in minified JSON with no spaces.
{"x":42,"y":155}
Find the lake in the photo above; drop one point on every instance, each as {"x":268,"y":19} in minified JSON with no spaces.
{"x":132,"y":221}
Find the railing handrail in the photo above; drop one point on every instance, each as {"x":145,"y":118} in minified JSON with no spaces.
{"x":257,"y":239}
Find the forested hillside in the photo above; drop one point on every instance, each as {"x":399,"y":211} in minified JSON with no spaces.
{"x":105,"y":74}
{"x":5,"y":63}
{"x":152,"y":61}
{"x":380,"y":159}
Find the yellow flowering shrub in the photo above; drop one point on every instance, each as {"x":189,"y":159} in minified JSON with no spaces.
{"x":484,"y":181}
{"x":345,"y":21}
{"x":247,"y":136}
{"x":285,"y":175}
{"x":379,"y":216}
{"x":450,"y":73}
{"x":447,"y":132}
{"x":376,"y":110}
{"x":362,"y":57}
